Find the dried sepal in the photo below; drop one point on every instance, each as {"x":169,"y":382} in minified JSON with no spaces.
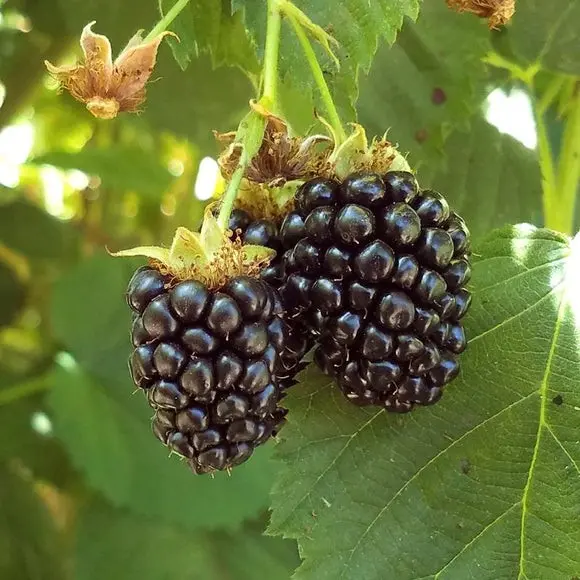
{"x":210,"y":256}
{"x":106,"y":87}
{"x":280,"y":158}
{"x":497,"y":12}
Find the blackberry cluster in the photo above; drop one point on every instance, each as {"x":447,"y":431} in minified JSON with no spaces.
{"x":208,"y":362}
{"x":377,"y":272}
{"x":266,"y":233}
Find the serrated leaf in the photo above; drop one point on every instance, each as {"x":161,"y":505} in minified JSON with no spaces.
{"x":485,"y":484}
{"x":209,"y":26}
{"x":357,"y":25}
{"x":109,"y":438}
{"x":546,"y":34}
{"x":113,"y":543}
{"x":429,"y":82}
{"x":194,"y":103}
{"x":491,"y":179}
{"x":119,"y":168}
{"x":29,"y":543}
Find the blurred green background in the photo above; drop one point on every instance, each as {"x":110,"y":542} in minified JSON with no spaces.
{"x":85,"y":490}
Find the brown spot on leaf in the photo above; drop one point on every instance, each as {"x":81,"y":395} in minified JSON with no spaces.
{"x":438,"y":96}
{"x":421,"y":135}
{"x":558,"y":400}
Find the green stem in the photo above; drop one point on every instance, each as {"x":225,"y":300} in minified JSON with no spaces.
{"x":334,"y":118}
{"x":166,"y":20}
{"x":271,"y":53}
{"x":561,"y":217}
{"x":546,"y":159}
{"x":229,"y":197}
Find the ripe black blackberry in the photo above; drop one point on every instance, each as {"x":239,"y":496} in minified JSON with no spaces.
{"x":208,"y":361}
{"x":378,"y":274}
{"x":266,"y":233}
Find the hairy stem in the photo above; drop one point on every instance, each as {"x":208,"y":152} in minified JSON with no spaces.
{"x":562,"y":215}
{"x":318,"y":75}
{"x":166,"y":20}
{"x":231,"y":193}
{"x":271,"y":52}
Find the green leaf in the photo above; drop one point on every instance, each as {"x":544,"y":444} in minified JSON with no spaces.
{"x":11,"y":293}
{"x":91,"y":319}
{"x":29,"y":230}
{"x":113,"y":543}
{"x":120,"y":168}
{"x":29,"y":543}
{"x":428,"y":83}
{"x":39,"y":452}
{"x":491,"y":179}
{"x":208,"y":26}
{"x":107,"y":433}
{"x":547,"y":34}
{"x":485,"y":484}
{"x":357,"y":25}
{"x":192,"y":104}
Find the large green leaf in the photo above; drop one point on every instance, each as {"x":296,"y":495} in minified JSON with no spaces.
{"x":91,"y":319}
{"x":108,"y":436}
{"x":547,"y":34}
{"x":193,"y":103}
{"x":119,"y":168}
{"x":29,"y":543}
{"x":209,"y":26}
{"x":430,"y":81}
{"x":113,"y":543}
{"x":485,"y":484}
{"x":357,"y":25}
{"x":490,"y":179}
{"x":20,"y":404}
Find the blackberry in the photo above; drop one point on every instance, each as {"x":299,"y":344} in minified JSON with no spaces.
{"x":377,"y":273}
{"x":208,"y":361}
{"x":266,"y":233}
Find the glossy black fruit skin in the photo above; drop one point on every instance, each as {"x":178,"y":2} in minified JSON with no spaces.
{"x":281,"y":239}
{"x":377,"y":271}
{"x":209,"y":362}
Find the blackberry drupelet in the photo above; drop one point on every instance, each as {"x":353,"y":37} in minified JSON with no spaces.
{"x":266,"y":233}
{"x":208,"y":361}
{"x":378,"y":273}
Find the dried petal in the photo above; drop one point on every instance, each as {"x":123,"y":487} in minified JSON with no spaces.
{"x":497,"y":12}
{"x":106,"y":87}
{"x":98,"y":59}
{"x":132,"y":70}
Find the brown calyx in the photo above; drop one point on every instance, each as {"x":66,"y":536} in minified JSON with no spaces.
{"x":497,"y":12}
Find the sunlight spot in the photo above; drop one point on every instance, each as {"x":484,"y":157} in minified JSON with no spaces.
{"x":520,"y":247}
{"x":53,"y":187}
{"x":572,"y":281}
{"x":207,"y":178}
{"x":15,"y":145}
{"x":176,"y":167}
{"x":512,"y":114}
{"x":77,"y":179}
{"x":41,"y":423}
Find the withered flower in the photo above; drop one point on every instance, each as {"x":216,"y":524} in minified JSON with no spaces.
{"x":108,"y":87}
{"x":497,"y":12}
